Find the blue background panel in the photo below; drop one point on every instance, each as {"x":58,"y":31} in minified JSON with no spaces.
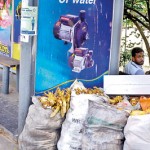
{"x":52,"y":67}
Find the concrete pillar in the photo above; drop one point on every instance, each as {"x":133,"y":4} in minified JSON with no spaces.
{"x":27,"y":75}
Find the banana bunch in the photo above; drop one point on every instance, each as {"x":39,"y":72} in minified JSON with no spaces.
{"x":95,"y":90}
{"x":115,"y":100}
{"x":59,"y":101}
{"x":140,"y":112}
{"x":134,"y":100}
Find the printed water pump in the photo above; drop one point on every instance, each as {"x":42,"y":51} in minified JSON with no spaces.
{"x":74,"y":29}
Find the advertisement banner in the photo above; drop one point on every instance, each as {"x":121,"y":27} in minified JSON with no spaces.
{"x":5,"y":27}
{"x":16,"y":33}
{"x":73,"y":42}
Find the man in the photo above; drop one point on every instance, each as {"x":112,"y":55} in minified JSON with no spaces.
{"x":134,"y":67}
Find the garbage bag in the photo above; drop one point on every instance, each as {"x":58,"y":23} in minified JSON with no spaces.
{"x":40,"y":131}
{"x":136,"y":133}
{"x":103,"y":127}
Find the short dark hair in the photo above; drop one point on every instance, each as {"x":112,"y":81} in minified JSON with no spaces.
{"x":136,"y":50}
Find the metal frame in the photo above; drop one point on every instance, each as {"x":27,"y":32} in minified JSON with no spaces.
{"x":116,"y":37}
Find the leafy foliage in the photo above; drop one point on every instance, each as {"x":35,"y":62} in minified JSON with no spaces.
{"x":124,"y":57}
{"x":137,"y":14}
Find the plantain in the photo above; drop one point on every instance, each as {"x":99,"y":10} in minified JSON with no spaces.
{"x":55,"y":111}
{"x":64,"y":109}
{"x":115,"y":100}
{"x":60,"y":99}
{"x":95,"y":90}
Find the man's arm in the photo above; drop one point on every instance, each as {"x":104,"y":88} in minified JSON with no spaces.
{"x":140,"y":72}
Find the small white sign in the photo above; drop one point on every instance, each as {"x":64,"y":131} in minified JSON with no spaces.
{"x":29,"y":20}
{"x":24,"y":38}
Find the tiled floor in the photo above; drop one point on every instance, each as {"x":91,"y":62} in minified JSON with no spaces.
{"x":8,"y":114}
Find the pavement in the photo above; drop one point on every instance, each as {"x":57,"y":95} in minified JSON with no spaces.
{"x":7,"y":140}
{"x":9,"y":115}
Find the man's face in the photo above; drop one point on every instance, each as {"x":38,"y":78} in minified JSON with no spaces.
{"x":139,"y":58}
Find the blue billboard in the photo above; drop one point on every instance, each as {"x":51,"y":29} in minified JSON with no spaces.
{"x":73,"y":42}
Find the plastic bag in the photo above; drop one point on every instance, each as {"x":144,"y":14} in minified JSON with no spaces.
{"x":145,"y":102}
{"x":72,"y":127}
{"x":137,"y":133}
{"x":126,"y":105}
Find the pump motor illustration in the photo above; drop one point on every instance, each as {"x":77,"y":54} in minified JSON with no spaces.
{"x":74,"y":29}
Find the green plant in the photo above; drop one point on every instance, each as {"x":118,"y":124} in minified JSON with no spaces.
{"x":125,"y":56}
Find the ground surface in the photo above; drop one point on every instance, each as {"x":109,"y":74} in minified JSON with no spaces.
{"x":9,"y":115}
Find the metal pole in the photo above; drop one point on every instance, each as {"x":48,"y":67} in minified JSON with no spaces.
{"x":17,"y":77}
{"x":116,"y":37}
{"x":27,"y":71}
{"x":5,"y":80}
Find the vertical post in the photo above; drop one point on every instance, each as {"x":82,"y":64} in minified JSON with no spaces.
{"x":5,"y":80}
{"x":27,"y":71}
{"x":17,"y":77}
{"x":116,"y":37}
